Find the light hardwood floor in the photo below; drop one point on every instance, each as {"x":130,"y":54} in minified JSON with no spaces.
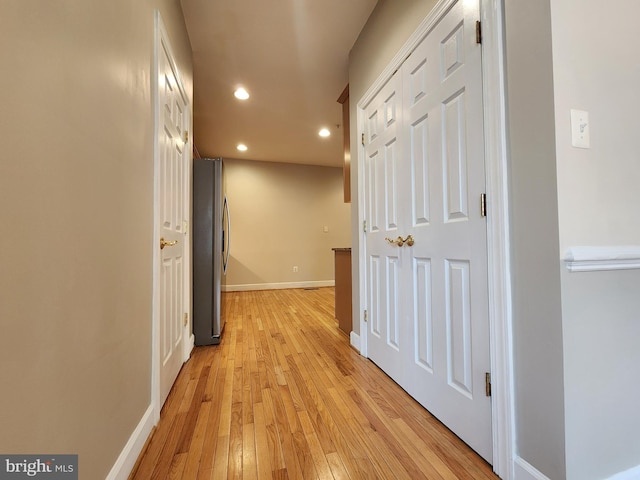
{"x":285,"y":396}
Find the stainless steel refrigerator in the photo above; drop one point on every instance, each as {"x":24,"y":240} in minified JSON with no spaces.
{"x":211,"y":242}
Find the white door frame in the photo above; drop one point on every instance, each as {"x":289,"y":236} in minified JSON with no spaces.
{"x":498,"y":239}
{"x":161,"y":37}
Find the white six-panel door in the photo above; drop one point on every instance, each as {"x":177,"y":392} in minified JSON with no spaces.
{"x":173,"y":154}
{"x":428,"y":324}
{"x":383,"y":165}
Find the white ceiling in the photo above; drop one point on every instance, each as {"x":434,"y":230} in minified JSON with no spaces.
{"x":292,"y":57}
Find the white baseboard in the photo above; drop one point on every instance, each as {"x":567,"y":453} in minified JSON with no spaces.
{"x":631,"y":474}
{"x":523,"y":470}
{"x":354,"y":339}
{"x":278,"y":286}
{"x":190,"y":346}
{"x":127,"y":459}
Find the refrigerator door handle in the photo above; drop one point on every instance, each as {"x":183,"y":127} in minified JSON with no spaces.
{"x":227,"y":246}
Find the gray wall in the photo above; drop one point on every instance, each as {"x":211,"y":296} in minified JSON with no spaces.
{"x":595,"y":68}
{"x":601,"y":312}
{"x":537,"y":315}
{"x":76,"y":207}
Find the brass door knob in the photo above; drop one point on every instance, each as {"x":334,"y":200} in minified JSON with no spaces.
{"x":401,"y":241}
{"x":398,"y":241}
{"x":164,"y":243}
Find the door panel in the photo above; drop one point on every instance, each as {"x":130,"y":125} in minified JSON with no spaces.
{"x":434,"y":293}
{"x":458,"y":321}
{"x":420,"y":141}
{"x":375,"y":294}
{"x":422,"y":318}
{"x":392,"y":314}
{"x":454,"y":158}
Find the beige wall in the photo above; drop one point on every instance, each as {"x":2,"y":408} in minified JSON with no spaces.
{"x":76,"y":205}
{"x":278,"y":214}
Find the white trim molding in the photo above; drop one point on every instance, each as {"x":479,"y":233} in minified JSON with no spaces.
{"x":277,"y":286}
{"x":498,"y":233}
{"x":155,"y":307}
{"x":592,"y":259}
{"x":631,"y":474}
{"x":129,"y":455}
{"x":498,"y":237}
{"x":525,"y":471}
{"x":354,"y":340}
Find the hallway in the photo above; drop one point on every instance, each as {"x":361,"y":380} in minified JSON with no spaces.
{"x":285,"y":396}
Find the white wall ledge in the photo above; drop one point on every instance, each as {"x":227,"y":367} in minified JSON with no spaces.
{"x":591,"y":259}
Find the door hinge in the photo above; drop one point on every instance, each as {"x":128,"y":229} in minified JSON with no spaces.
{"x":362,"y":139}
{"x":185,"y":319}
{"x":365,"y":317}
{"x":487,"y":384}
{"x":364,"y":226}
{"x":478,"y":32}
{"x":483,"y":204}
{"x":186,"y":136}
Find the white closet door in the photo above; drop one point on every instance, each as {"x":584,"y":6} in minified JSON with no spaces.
{"x":431,"y":298}
{"x":383,"y":165}
{"x":173,"y":155}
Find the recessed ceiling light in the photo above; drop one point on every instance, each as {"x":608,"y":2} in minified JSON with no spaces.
{"x":241,"y":94}
{"x":324,"y":132}
{"x":242,"y":147}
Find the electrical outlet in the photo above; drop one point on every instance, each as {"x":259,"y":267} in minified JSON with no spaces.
{"x":295,"y":269}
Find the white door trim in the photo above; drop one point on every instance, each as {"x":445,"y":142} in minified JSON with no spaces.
{"x":161,"y":37}
{"x":498,"y":239}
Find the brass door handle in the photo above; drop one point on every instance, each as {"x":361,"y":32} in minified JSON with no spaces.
{"x":164,"y":243}
{"x":401,"y":241}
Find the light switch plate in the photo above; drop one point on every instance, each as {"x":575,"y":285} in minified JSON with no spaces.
{"x":580,"y":129}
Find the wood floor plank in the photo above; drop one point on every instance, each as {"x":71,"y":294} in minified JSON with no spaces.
{"x":221,"y":459}
{"x":337,"y":468}
{"x":214,"y":397}
{"x":165,"y":459}
{"x":249,"y":463}
{"x":284,"y":396}
{"x":263,"y":458}
{"x":195,"y":450}
{"x":315,"y":448}
{"x":285,"y":436}
{"x":176,"y":470}
{"x":193,"y":411}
